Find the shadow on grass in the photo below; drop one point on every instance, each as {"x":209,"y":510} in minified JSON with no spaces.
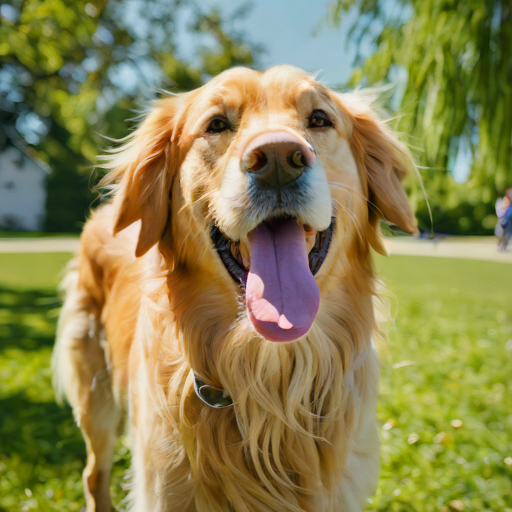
{"x":28,"y":318}
{"x":41,"y":432}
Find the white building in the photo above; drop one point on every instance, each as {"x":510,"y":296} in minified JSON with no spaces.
{"x":22,"y":190}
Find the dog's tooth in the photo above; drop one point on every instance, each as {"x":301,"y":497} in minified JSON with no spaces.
{"x":310,"y":239}
{"x":245,"y":256}
{"x":235,"y":251}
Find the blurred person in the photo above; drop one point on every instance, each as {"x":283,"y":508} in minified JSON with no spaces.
{"x":505,"y":220}
{"x":501,"y":206}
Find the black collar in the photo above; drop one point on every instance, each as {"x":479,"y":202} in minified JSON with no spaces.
{"x":213,"y":397}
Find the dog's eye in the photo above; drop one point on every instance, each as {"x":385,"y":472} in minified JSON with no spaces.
{"x":217,"y":125}
{"x":319,"y":119}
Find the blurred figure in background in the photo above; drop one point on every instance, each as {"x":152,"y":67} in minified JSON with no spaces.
{"x":503,"y":228}
{"x":501,"y":205}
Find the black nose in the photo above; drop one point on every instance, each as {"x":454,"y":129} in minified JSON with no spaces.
{"x":277,"y":158}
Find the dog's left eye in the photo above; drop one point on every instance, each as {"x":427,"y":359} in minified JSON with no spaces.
{"x":319,"y":119}
{"x":217,"y":125}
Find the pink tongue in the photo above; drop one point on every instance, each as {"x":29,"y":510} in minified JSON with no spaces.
{"x":282,"y":294}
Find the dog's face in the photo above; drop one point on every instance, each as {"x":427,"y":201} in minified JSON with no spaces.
{"x":269,"y":175}
{"x":254,"y":150}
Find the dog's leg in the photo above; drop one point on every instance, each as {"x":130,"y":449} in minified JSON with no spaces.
{"x":99,"y":424}
{"x":81,"y":374}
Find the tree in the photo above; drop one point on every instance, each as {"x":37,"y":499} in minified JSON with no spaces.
{"x":70,"y":70}
{"x":458,"y":66}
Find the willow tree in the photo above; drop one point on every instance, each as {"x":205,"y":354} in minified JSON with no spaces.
{"x":457,"y":59}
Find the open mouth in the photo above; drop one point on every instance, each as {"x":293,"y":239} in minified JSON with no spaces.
{"x":277,"y":271}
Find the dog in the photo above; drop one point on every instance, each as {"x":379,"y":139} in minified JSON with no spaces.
{"x":224,"y":299}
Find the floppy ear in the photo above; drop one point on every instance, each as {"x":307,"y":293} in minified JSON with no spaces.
{"x":142,"y":171}
{"x":383,"y":162}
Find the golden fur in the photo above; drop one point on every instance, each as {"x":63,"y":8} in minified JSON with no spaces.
{"x":148,"y":299}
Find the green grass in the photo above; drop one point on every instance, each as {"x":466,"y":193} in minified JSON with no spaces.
{"x":447,"y":409}
{"x":446,"y":394}
{"x":32,"y":271}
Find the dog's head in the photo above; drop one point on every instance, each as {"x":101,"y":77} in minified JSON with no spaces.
{"x":266,"y":178}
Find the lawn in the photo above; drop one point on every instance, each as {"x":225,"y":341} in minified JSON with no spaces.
{"x":445,"y":412}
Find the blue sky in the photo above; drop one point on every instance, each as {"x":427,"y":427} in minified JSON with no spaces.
{"x":290,"y":32}
{"x":295,"y":32}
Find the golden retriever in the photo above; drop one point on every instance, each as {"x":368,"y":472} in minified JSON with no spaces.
{"x":223,"y":301}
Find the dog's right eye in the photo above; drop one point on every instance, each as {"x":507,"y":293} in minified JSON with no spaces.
{"x":217,"y":125}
